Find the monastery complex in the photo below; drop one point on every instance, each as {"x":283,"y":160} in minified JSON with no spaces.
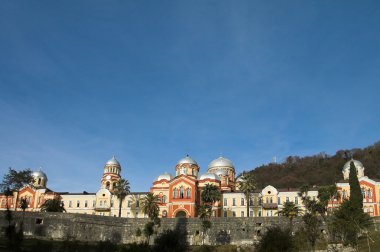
{"x":179,"y":194}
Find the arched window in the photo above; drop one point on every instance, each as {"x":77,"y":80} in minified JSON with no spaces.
{"x":114,"y":185}
{"x":39,"y":181}
{"x":164,"y":213}
{"x":188,"y":193}
{"x":181,"y":192}
{"x":100,"y":203}
{"x":369,"y":193}
{"x":271,"y":200}
{"x":164,"y":199}
{"x":174,"y":193}
{"x":107,"y":185}
{"x":344,"y":194}
{"x":363,"y":192}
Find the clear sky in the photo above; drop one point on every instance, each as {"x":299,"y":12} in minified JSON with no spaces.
{"x":152,"y":81}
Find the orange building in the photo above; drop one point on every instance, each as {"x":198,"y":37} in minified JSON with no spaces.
{"x":180,"y":195}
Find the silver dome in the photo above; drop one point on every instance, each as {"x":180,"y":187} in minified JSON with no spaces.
{"x":113,"y":161}
{"x":221,"y":172}
{"x":39,"y":174}
{"x":357,"y":164}
{"x":221,"y":162}
{"x":166,"y":176}
{"x":239,"y":179}
{"x":209,"y":176}
{"x":187,"y":160}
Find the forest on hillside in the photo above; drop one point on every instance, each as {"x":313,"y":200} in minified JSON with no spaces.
{"x":320,"y":169}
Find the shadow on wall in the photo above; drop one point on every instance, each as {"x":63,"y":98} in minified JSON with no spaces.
{"x":173,"y":240}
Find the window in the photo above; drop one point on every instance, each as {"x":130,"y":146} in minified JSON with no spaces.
{"x":225,"y":201}
{"x":181,"y":192}
{"x":344,"y":194}
{"x":78,"y":203}
{"x":136,"y":214}
{"x":101,"y":203}
{"x":233,"y":214}
{"x":287,"y":199}
{"x":107,"y":185}
{"x":363,"y":192}
{"x":70,"y":203}
{"x":111,"y":203}
{"x":39,"y":181}
{"x":259,"y":213}
{"x":369,"y":193}
{"x":129,"y":203}
{"x":86,"y":204}
{"x":271,"y":200}
{"x":251,"y":213}
{"x":93,"y":203}
{"x":137,"y":203}
{"x":267,"y":200}
{"x":250,"y":202}
{"x":296,"y":200}
{"x":233,"y":201}
{"x":174,"y":193}
{"x":279,"y":200}
{"x":114,"y":185}
{"x":242,"y":213}
{"x":260,"y":201}
{"x":242,"y":202}
{"x":225,"y":213}
{"x":164,"y":199}
{"x":188,"y":193}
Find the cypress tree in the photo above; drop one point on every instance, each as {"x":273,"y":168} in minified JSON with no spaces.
{"x":356,"y":197}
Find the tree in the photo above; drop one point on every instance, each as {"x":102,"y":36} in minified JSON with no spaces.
{"x":311,"y":227}
{"x":149,"y":205}
{"x":326,"y":194}
{"x":204,"y":213}
{"x":148,"y":230}
{"x":210,"y":194}
{"x":247,"y":186}
{"x":15,"y":180}
{"x":275,"y":239}
{"x":23,"y":206}
{"x":356,"y":197}
{"x":121,"y":190}
{"x":53,"y":205}
{"x":290,"y":210}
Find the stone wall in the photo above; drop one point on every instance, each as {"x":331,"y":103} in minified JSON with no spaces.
{"x":91,"y":228}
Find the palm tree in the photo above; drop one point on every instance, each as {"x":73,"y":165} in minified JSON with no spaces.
{"x":121,"y":190}
{"x":290,"y":210}
{"x":326,"y":194}
{"x":204,"y":211}
{"x":210,"y":194}
{"x":53,"y":205}
{"x":149,"y":205}
{"x":247,"y":186}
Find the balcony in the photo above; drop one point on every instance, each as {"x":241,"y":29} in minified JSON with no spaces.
{"x":270,"y":205}
{"x":102,"y":208}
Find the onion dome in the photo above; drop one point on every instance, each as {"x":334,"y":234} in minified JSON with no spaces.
{"x":113,"y":161}
{"x":221,"y":162}
{"x":209,"y":176}
{"x":187,"y":160}
{"x":39,"y":175}
{"x":165,"y":175}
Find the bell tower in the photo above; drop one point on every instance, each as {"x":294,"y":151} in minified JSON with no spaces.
{"x":111,"y":174}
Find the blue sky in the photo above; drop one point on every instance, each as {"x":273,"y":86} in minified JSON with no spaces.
{"x":152,"y":81}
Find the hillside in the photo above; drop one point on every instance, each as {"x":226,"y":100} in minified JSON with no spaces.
{"x":319,"y":169}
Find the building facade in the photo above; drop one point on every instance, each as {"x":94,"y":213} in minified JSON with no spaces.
{"x":179,"y":194}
